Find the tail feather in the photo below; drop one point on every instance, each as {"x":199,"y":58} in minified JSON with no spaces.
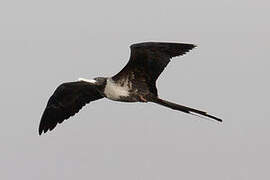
{"x":183,"y":108}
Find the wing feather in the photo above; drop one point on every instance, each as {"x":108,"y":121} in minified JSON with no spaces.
{"x":65,"y":102}
{"x":151,"y":58}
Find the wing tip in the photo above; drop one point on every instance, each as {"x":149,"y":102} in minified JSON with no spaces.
{"x":191,"y":46}
{"x":44,"y":130}
{"x":46,"y":125}
{"x":194,"y":46}
{"x":41,"y":129}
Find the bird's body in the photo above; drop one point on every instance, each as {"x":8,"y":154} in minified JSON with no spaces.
{"x":136,"y":82}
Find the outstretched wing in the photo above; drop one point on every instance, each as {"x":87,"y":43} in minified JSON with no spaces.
{"x":66,"y":101}
{"x":148,"y":60}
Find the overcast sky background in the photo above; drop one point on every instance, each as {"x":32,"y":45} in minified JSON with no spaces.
{"x":45,"y":43}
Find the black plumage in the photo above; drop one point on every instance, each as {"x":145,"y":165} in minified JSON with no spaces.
{"x":65,"y":102}
{"x":136,"y":82}
{"x":148,"y":60}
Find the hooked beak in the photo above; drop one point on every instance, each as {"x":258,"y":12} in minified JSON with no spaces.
{"x":88,"y":80}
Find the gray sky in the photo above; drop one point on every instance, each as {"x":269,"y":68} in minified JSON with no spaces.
{"x":43,"y":44}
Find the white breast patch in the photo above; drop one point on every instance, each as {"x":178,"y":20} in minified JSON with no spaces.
{"x":114,"y":90}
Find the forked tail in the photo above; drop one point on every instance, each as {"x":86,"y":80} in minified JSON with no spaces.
{"x":182,"y":108}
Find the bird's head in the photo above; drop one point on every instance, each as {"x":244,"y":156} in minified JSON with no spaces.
{"x":100,"y":81}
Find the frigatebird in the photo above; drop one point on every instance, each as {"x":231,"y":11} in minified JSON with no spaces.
{"x":136,"y":82}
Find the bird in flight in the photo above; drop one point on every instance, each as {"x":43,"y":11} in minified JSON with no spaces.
{"x":136,"y":82}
